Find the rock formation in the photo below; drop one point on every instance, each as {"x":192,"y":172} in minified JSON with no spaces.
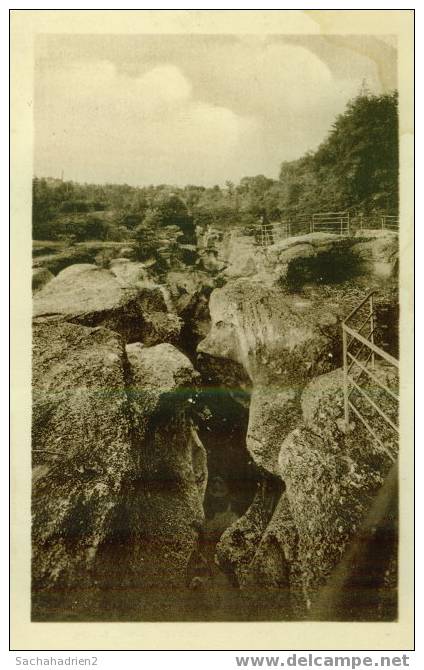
{"x":92,"y":296}
{"x":288,"y":345}
{"x":119,"y":472}
{"x":120,"y":478}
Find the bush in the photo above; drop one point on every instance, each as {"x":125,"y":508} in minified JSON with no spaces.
{"x":146,"y":243}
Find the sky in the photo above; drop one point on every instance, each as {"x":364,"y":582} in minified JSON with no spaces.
{"x":193,"y":109}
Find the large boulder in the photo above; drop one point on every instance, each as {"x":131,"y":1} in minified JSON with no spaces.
{"x":82,"y":449}
{"x":273,"y":343}
{"x":239,"y":543}
{"x":378,"y":256}
{"x":128,"y":273}
{"x":40,"y":277}
{"x":119,"y":475}
{"x":279,"y":327}
{"x":271,"y":334}
{"x":331,"y":479}
{"x":266,"y":429}
{"x":187,"y":286}
{"x":91,"y":296}
{"x":64,"y":257}
{"x":245,"y":257}
{"x":172,"y":463}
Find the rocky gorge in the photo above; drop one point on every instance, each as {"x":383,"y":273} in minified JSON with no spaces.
{"x":189,"y":456}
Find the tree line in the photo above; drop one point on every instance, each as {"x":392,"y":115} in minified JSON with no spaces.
{"x":354,"y":169}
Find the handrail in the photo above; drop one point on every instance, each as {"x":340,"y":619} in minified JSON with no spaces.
{"x":351,"y":379}
{"x":370,"y":355}
{"x":355,"y":309}
{"x":380,"y":352}
{"x":370,"y":430}
{"x":331,"y":214}
{"x":372,"y":375}
{"x":339,"y":223}
{"x":376,"y":407}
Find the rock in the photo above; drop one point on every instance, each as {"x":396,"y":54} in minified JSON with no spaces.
{"x":194,"y":311}
{"x":271,"y":341}
{"x":292,"y":248}
{"x":159,"y":370}
{"x":371,"y":233}
{"x":238,"y":544}
{"x":369,"y":568}
{"x":274,"y":412}
{"x":323,"y":405}
{"x":331,"y":480}
{"x":126,"y":252}
{"x":378,"y":256}
{"x":272,"y":335}
{"x":119,"y":473}
{"x":128,"y":273}
{"x":90,"y":296}
{"x":210,"y":262}
{"x":189,"y":292}
{"x":40,"y":277}
{"x":173,"y":460}
{"x":56,"y":262}
{"x":81,"y":440}
{"x":285,"y":336}
{"x":245,"y":257}
{"x":188,"y":283}
{"x":334,"y":476}
{"x":272,"y":572}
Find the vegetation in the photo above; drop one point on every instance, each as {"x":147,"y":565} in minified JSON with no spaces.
{"x":355,"y":169}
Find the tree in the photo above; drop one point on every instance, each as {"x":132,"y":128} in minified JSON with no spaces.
{"x":42,"y":210}
{"x":356,"y":167}
{"x":170,"y":210}
{"x":146,"y":242}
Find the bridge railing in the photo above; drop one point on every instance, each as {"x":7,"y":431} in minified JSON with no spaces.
{"x":370,"y":375}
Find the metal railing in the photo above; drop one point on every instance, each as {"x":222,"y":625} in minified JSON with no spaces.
{"x":274,"y":231}
{"x":377,"y":222}
{"x":336,"y":223}
{"x":389,"y":222}
{"x":330,"y":222}
{"x":376,"y":393}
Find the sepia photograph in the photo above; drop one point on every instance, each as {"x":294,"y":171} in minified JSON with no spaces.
{"x":216,"y":346}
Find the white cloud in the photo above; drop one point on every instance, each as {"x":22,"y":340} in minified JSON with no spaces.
{"x":97,"y":124}
{"x":164,"y":84}
{"x":203,"y":114}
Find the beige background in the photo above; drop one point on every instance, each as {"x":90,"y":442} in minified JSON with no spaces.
{"x":25,"y":24}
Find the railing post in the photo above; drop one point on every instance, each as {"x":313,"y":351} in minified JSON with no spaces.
{"x":382,"y":223}
{"x":345,"y":381}
{"x":372,"y":329}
